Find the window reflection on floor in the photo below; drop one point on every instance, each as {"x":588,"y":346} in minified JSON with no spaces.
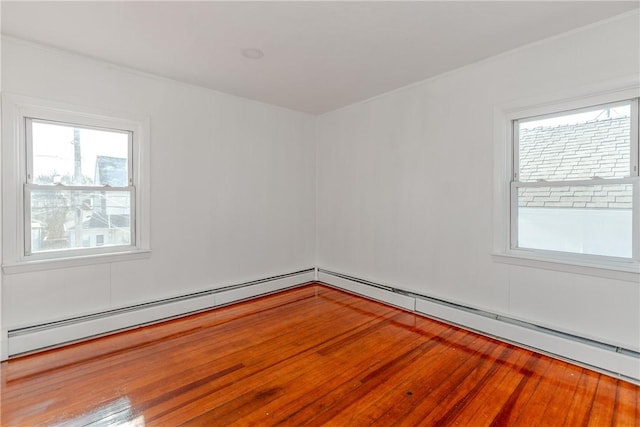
{"x":116,"y":413}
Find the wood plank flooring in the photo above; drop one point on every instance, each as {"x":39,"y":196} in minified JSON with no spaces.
{"x":308,"y":356}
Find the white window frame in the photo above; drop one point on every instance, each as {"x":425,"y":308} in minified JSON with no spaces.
{"x":505,"y":154}
{"x":16,"y":112}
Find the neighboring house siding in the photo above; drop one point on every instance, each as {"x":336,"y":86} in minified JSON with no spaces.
{"x":599,"y":148}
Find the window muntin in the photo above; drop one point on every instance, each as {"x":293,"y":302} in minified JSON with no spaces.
{"x":575,"y":180}
{"x":64,"y":209}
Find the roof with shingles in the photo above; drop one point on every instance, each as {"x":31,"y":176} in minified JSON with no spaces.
{"x":595,"y":149}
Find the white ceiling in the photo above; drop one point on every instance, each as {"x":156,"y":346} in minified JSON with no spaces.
{"x":319,"y":56}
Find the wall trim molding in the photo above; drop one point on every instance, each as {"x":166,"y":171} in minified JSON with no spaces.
{"x":608,"y":359}
{"x":38,"y":337}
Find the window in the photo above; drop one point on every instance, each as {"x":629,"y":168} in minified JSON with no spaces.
{"x":75,"y":183}
{"x":574,"y":182}
{"x":78,"y":190}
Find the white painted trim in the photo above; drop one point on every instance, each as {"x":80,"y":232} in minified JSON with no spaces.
{"x":3,"y":331}
{"x":635,"y":227}
{"x":382,"y":295}
{"x":573,"y":351}
{"x":609,"y":92}
{"x":77,"y":331}
{"x":78,"y":261}
{"x":624,"y":88}
{"x":635,"y":172}
{"x":15,"y":109}
{"x":628,"y":271}
{"x":556,"y":344}
{"x":4,"y":345}
{"x":316,"y":183}
{"x":36,"y":337}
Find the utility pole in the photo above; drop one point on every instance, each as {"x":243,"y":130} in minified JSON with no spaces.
{"x":77,"y":180}
{"x":77,"y":157}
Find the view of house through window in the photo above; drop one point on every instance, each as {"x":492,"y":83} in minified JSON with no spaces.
{"x":572,"y":184}
{"x":78,"y":192}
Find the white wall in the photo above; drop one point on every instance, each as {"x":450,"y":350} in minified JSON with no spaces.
{"x":232,"y":188}
{"x":406,"y":187}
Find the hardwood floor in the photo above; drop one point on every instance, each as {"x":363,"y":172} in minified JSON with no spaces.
{"x":308,"y":356}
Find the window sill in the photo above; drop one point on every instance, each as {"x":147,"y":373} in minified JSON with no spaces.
{"x":78,"y":261}
{"x":619,"y":270}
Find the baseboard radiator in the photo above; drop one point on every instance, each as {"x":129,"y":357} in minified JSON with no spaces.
{"x":43,"y":336}
{"x":611,"y":360}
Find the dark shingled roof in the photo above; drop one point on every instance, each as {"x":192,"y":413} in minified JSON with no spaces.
{"x":598,"y":148}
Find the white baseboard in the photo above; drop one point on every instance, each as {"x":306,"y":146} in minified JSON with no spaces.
{"x":602,"y":357}
{"x":39,"y":337}
{"x":371,"y":292}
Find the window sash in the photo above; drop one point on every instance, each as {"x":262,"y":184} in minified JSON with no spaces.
{"x":635,"y":209}
{"x":634,"y":159}
{"x":572,"y":111}
{"x":28,"y":190}
{"x":29,"y":187}
{"x":633,"y":179}
{"x":576,"y":183}
{"x":29,"y":145}
{"x":16,"y":109}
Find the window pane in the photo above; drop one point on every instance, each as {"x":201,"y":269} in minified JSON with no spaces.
{"x":64,"y":154}
{"x":590,"y":144}
{"x":69,"y":219}
{"x":594,"y":220}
